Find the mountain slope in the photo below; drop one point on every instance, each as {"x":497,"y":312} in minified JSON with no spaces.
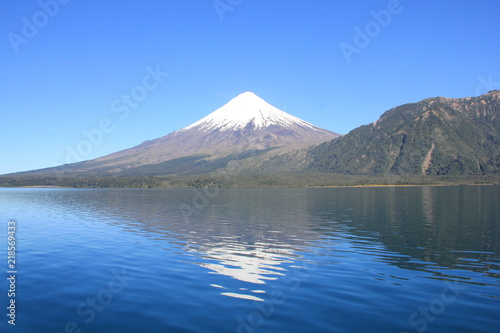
{"x":436,"y":136}
{"x":245,"y":127}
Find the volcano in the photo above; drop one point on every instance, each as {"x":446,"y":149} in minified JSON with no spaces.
{"x":246,"y":125}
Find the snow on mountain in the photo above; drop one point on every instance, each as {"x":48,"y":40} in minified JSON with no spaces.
{"x":247,"y":108}
{"x":247,"y":123}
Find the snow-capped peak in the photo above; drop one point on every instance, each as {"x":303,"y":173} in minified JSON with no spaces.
{"x":244,"y":109}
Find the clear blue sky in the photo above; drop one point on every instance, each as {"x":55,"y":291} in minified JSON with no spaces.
{"x":66,"y":72}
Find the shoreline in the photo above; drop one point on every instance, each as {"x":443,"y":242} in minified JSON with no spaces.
{"x":39,"y":186}
{"x":256,"y":187}
{"x":246,"y":181}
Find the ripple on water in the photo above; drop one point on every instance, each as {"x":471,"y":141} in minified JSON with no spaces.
{"x":379,"y":264}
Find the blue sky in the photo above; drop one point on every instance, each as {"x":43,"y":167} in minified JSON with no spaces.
{"x":338,"y":64}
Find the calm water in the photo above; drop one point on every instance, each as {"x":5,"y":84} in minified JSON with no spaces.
{"x":408,"y":259}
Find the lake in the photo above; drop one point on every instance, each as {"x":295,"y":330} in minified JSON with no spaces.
{"x":371,"y":259}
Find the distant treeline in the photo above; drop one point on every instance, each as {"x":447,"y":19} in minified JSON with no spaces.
{"x":80,"y":182}
{"x":244,"y":181}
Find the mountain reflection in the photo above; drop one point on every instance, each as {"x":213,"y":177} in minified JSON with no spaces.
{"x":255,"y":235}
{"x":254,"y":266}
{"x":251,"y":236}
{"x":431,"y":226}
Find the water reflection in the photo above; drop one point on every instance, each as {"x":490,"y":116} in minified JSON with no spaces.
{"x":255,"y":236}
{"x":254,"y":266}
{"x":251,"y":236}
{"x":432,"y":229}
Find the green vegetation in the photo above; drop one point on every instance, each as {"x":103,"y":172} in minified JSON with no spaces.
{"x":435,"y":141}
{"x":246,"y":181}
{"x":81,"y":182}
{"x":437,"y":136}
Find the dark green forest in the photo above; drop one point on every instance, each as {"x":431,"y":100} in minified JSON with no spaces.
{"x":246,"y":181}
{"x":457,"y":138}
